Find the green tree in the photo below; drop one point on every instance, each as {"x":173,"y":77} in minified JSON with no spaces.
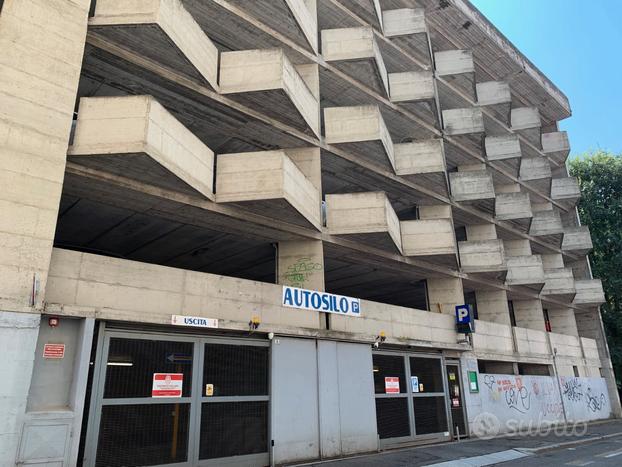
{"x":600,"y":207}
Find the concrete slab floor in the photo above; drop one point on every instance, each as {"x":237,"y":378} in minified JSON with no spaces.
{"x":532,"y":446}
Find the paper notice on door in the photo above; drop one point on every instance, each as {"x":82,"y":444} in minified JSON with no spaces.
{"x":167,"y":384}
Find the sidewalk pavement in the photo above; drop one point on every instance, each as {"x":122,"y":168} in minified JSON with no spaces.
{"x":478,"y":452}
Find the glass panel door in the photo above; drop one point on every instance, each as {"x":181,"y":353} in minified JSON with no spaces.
{"x":456,"y":400}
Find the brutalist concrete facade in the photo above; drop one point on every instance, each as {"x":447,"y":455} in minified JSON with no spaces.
{"x":170,"y":158}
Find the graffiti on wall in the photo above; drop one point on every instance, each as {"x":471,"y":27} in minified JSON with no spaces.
{"x":577,"y":391}
{"x":298,"y":273}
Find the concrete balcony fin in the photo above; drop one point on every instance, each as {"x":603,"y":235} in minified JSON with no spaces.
{"x":483,"y":257}
{"x":355,"y":52}
{"x":366,"y":217}
{"x":535,"y":172}
{"x":362,"y":131}
{"x":565,"y":191}
{"x":589,"y":292}
{"x":556,"y":146}
{"x":465,"y":126}
{"x":431,"y":239}
{"x":406,"y":27}
{"x":559,"y":283}
{"x":496,"y":96}
{"x":526,"y":122}
{"x":514,"y":208}
{"x":161,"y":31}
{"x":423,"y":162}
{"x":504,"y":152}
{"x":415,"y":91}
{"x":577,"y":240}
{"x":296,"y":19}
{"x":547,"y":226}
{"x":282,"y":184}
{"x":457,"y":67}
{"x":267,"y":81}
{"x":137,"y":138}
{"x":525,"y":272}
{"x":473,"y":187}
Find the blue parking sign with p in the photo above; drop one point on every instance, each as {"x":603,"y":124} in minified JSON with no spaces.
{"x":464,"y":319}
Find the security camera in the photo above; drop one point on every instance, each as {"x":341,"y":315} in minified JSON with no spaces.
{"x":376,"y":344}
{"x":270,"y":335}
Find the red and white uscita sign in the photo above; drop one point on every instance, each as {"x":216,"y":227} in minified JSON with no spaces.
{"x":167,"y":384}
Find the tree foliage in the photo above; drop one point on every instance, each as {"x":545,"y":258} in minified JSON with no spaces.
{"x":600,"y":207}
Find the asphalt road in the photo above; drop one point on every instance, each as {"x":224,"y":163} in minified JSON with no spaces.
{"x":606,"y":452}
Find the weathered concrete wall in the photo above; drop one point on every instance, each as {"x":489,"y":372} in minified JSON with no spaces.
{"x":528,"y":402}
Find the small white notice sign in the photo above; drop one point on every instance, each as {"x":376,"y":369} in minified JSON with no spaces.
{"x":194,"y":321}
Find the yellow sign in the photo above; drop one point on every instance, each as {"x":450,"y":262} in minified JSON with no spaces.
{"x":452,"y":377}
{"x":209,"y":389}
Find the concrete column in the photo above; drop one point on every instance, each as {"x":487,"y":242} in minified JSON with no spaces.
{"x":529,"y":314}
{"x":492,"y":305}
{"x":444,"y":294}
{"x":42,"y":43}
{"x":301,"y":264}
{"x":563,"y":321}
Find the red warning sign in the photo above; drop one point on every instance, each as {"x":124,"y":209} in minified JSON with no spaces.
{"x":392,"y":385}
{"x":54,"y":351}
{"x":167,"y":384}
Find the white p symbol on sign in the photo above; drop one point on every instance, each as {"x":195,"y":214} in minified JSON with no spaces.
{"x":462,"y":313}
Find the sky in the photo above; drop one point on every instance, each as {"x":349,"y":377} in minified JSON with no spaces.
{"x":577,"y":44}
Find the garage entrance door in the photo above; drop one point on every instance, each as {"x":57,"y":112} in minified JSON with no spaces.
{"x":164,"y":399}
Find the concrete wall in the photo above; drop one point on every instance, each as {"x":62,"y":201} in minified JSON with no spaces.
{"x":527,"y":402}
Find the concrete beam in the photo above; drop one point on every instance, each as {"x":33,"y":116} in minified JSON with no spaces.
{"x":355,"y":52}
{"x":368,"y":217}
{"x":565,"y":191}
{"x":483,"y":256}
{"x":431,"y":238}
{"x":161,"y":30}
{"x":560,"y":283}
{"x":136,"y":137}
{"x":589,"y":292}
{"x":515,"y":207}
{"x":361,"y":130}
{"x":266,"y":80}
{"x":504,"y":147}
{"x":525,"y":271}
{"x":463,"y":121}
{"x":457,"y":67}
{"x":526,"y":122}
{"x":548,"y":226}
{"x":577,"y":240}
{"x":496,"y":96}
{"x":271,"y":183}
{"x":423,"y":162}
{"x":473,"y":187}
{"x":556,"y":146}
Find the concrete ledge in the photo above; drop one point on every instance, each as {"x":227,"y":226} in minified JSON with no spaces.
{"x":361,"y":130}
{"x":566,"y":191}
{"x":547,"y":224}
{"x":589,"y":292}
{"x":423,"y":162}
{"x":556,"y":146}
{"x":355,"y":52}
{"x":500,"y":148}
{"x":432,"y":238}
{"x":514,"y":207}
{"x":560,"y":283}
{"x":136,"y":137}
{"x":266,"y":80}
{"x":536,"y":173}
{"x":525,"y":271}
{"x":404,"y":21}
{"x":577,"y":240}
{"x":463,"y":121}
{"x":457,"y":67}
{"x":497,"y":97}
{"x":482,"y":256}
{"x":368,"y":217}
{"x":526,"y":122}
{"x":472,"y":186}
{"x":272,"y":183}
{"x":416,"y":92}
{"x":161,"y":30}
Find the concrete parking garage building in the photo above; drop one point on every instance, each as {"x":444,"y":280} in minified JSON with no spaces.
{"x":237,"y":232}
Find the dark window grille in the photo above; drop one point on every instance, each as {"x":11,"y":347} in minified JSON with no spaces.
{"x":392,"y":417}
